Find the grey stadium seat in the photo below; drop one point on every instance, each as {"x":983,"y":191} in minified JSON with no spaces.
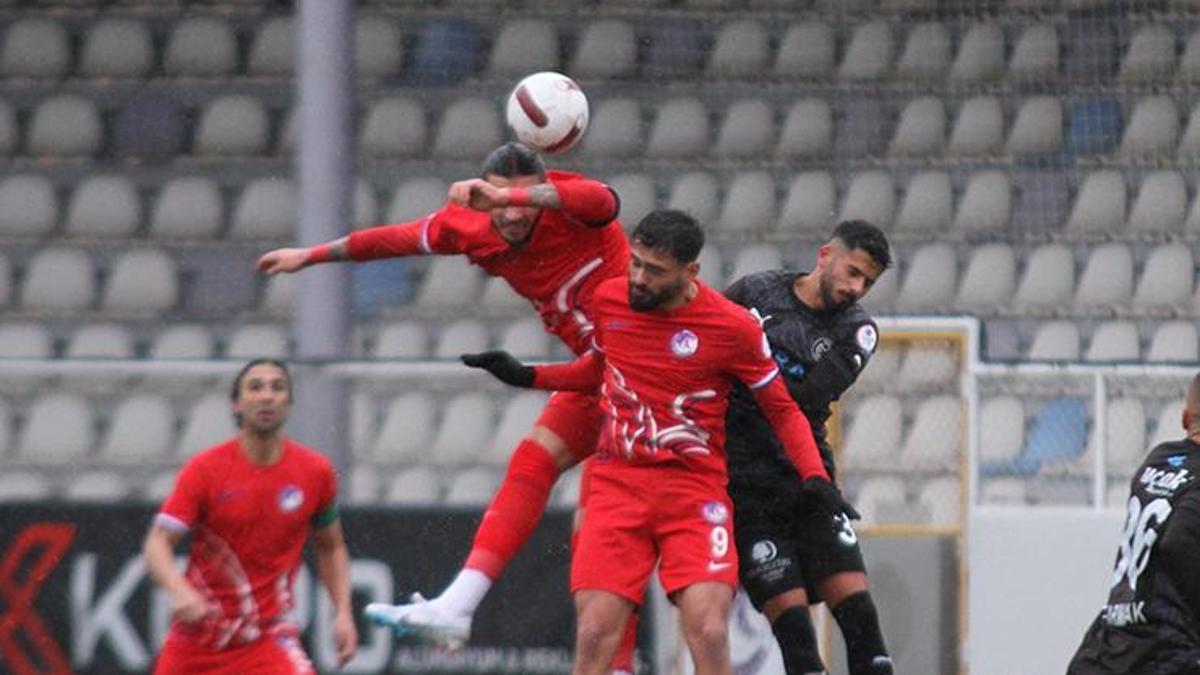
{"x":1099,"y":205}
{"x":141,"y":430}
{"x":460,"y":444}
{"x":525,"y":338}
{"x":37,"y":48}
{"x":1174,"y":341}
{"x":1126,"y":436}
{"x":1002,"y":429}
{"x":747,"y":130}
{"x":696,"y":193}
{"x":1038,"y":128}
{"x":980,"y":54}
{"x":378,"y":46}
{"x":394,"y":127}
{"x":65,"y":126}
{"x":187,"y":208}
{"x":870,"y":197}
{"x":21,"y":486}
{"x":499,"y":296}
{"x":517,"y":418}
{"x":407,"y":429}
{"x":1055,"y":341}
{"x":1150,"y":55}
{"x":6,"y":282}
{"x":1166,"y":281}
{"x":921,"y":131}
{"x":415,"y":486}
{"x":99,"y":485}
{"x":233,"y":126}
{"x":1114,"y":341}
{"x":807,"y":130}
{"x":258,"y":341}
{"x":1048,"y":280}
{"x":926,"y":54}
{"x":873,"y":431}
{"x":266,"y":209}
{"x":200,"y":46}
{"x":273,"y":51}
{"x":1161,"y":204}
{"x":741,"y":50}
{"x":978,"y":129}
{"x":869,"y":54}
{"x":986,"y":203}
{"x":417,"y":198}
{"x":26,"y":340}
{"x":183,"y":341}
{"x":750,"y":202}
{"x":638,"y":196}
{"x":473,"y":487}
{"x":449,"y":282}
{"x":806,"y":50}
{"x":117,"y":48}
{"x":1107,"y":280}
{"x":932,"y":441}
{"x":990,"y":279}
{"x":59,"y":429}
{"x":1189,"y":143}
{"x":680,"y":130}
{"x":755,"y":258}
{"x":926,"y":366}
{"x":1152,"y":128}
{"x":928,"y":204}
{"x":606,"y":49}
{"x":208,"y":422}
{"x":524,"y":46}
{"x":101,"y":340}
{"x":931,"y":280}
{"x":614,"y":129}
{"x":462,"y":336}
{"x":810,"y":203}
{"x":1035,"y":54}
{"x":28,"y":205}
{"x":59,"y":279}
{"x":104,"y":206}
{"x":469,"y":128}
{"x":1189,"y":62}
{"x":142,"y":280}
{"x":9,"y":135}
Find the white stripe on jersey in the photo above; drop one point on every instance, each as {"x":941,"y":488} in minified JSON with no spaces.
{"x":766,"y":380}
{"x":562,"y":298}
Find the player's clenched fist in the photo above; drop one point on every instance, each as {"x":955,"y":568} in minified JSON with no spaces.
{"x":478,"y":194}
{"x":283,"y":260}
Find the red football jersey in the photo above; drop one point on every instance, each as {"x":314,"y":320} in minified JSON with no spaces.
{"x":557,"y":269}
{"x":248,"y":523}
{"x":667,"y":375}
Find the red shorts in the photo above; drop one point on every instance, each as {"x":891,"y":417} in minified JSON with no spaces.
{"x":639,"y":515}
{"x":576,"y":418}
{"x":278,"y":652}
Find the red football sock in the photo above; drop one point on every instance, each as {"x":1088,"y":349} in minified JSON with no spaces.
{"x":515,"y":510}
{"x":623,"y":659}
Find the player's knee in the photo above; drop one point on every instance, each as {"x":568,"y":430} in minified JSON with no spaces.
{"x":709,"y":632}
{"x":797,"y":640}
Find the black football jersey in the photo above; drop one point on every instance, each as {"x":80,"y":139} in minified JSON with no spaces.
{"x":1151,"y":624}
{"x":800,"y":338}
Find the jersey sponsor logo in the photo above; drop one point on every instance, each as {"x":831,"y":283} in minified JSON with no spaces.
{"x":820,"y":346}
{"x":684,"y":343}
{"x":290,"y":498}
{"x":1124,"y":613}
{"x":763,"y":551}
{"x":845,"y":531}
{"x":714,"y":512}
{"x":1176,"y":460}
{"x":867,"y":337}
{"x":1164,"y":483}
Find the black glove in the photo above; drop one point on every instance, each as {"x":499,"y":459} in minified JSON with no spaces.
{"x":823,"y":495}
{"x":502,"y":366}
{"x":826,"y":380}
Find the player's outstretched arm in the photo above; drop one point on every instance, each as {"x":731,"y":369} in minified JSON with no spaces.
{"x":583,"y":374}
{"x":187,"y":604}
{"x":287,"y":260}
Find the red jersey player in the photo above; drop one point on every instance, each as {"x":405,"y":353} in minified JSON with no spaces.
{"x":554,"y":237}
{"x":249,"y":504}
{"x":668,"y":349}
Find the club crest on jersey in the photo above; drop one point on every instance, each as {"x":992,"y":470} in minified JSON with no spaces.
{"x":714,"y":512}
{"x":763,"y":551}
{"x":867,"y":337}
{"x":684,"y":343}
{"x":290,"y":498}
{"x":1176,"y":460}
{"x":820,"y":346}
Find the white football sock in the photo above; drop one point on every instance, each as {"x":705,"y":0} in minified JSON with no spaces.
{"x":464,"y":594}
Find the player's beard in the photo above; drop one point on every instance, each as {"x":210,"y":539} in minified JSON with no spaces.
{"x":642,"y":299}
{"x":830,"y":299}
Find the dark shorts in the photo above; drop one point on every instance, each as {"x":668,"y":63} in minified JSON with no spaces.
{"x":782,"y":547}
{"x":1144,"y":650}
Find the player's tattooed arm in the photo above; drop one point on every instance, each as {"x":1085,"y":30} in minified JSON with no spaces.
{"x":283,"y":260}
{"x":544,"y":196}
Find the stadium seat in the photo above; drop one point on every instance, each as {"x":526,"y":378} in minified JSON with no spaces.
{"x":677,"y":50}
{"x":747,"y":130}
{"x":1048,"y":280}
{"x":363,"y":487}
{"x":473,"y":487}
{"x":805,"y":51}
{"x":100,"y":340}
{"x":65,"y":126}
{"x":1166,"y":281}
{"x":1001,"y":431}
{"x":6,"y":282}
{"x":525,"y":338}
{"x":869,"y":54}
{"x":266,"y":209}
{"x":926,"y":54}
{"x":446,"y":52}
{"x":378,"y":47}
{"x":927,"y":365}
{"x":470,"y":128}
{"x":928,"y":204}
{"x":1126,"y":435}
{"x":810,"y":203}
{"x":417,"y":198}
{"x":59,"y":429}
{"x":638,"y":196}
{"x":1055,"y":341}
{"x":28,"y":205}
{"x":523,"y":46}
{"x":978,"y":129}
{"x":741,"y":50}
{"x":393,"y":127}
{"x":749,"y":203}
{"x":253,"y":341}
{"x":366,"y":205}
{"x":462,"y":336}
{"x":1174,"y":341}
{"x":364,"y":422}
{"x":878,"y":497}
{"x":449,"y":282}
{"x":1114,"y":341}
{"x":755,"y":258}
{"x":884,"y":366}
{"x":1090,"y":50}
{"x":9,"y":134}
{"x":1041,"y":202}
{"x":402,"y":340}
{"x":408,"y":426}
{"x":566,"y":490}
{"x":933,"y":440}
{"x":863,"y":129}
{"x":614,"y":129}
{"x":942,"y":497}
{"x":143,"y":280}
{"x":183,"y":341}
{"x":712,"y":272}
{"x":989,"y":281}
{"x":23,"y":340}
{"x":151,"y":128}
{"x":606,"y":49}
{"x":209,"y":421}
{"x":272,"y":51}
{"x":807,"y":130}
{"x":1035,"y":54}
{"x":96,"y":486}
{"x":499,"y":296}
{"x":1168,"y":426}
{"x":680,"y":130}
{"x":1189,"y":62}
{"x":186,"y":208}
{"x":104,"y":205}
{"x":23,"y":486}
{"x":1100,"y":204}
{"x":1058,"y":435}
{"x":141,"y":431}
{"x":986,"y":203}
{"x":200,"y":46}
{"x":1150,"y":55}
{"x":870,"y":197}
{"x":519,"y":414}
{"x":1107,"y":279}
{"x":931,"y":280}
{"x":59,"y":279}
{"x":1094,"y":126}
{"x":1004,"y":492}
{"x":1189,"y":143}
{"x":1161,"y":205}
{"x":418,"y":486}
{"x":1152,"y":130}
{"x":36,"y":48}
{"x":980,"y":54}
{"x":1038,"y":128}
{"x":873,"y":431}
{"x":118,"y":48}
{"x":461,"y":444}
{"x":232,"y":126}
{"x":921,"y":131}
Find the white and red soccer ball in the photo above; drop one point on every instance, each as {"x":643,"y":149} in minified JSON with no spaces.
{"x":548,"y":112}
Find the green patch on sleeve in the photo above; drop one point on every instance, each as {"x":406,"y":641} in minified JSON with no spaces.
{"x":326,"y":517}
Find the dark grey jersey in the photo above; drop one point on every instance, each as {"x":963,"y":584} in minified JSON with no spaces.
{"x":819,"y":354}
{"x":1151,"y":623}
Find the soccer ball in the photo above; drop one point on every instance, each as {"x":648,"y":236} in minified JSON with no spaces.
{"x":548,"y":112}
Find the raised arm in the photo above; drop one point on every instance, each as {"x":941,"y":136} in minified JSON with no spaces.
{"x":585,"y":373}
{"x":387,"y":241}
{"x":583,"y":200}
